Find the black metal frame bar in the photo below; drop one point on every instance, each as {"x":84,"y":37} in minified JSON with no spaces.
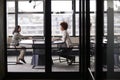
{"x":99,"y":39}
{"x":47,"y":22}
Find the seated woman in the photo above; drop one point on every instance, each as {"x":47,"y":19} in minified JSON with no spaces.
{"x":68,"y":44}
{"x":15,"y":44}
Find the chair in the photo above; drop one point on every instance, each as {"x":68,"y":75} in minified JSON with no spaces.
{"x":11,"y":52}
{"x":64,"y":52}
{"x":92,"y":49}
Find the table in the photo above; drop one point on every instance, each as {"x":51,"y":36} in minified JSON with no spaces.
{"x":38,"y":47}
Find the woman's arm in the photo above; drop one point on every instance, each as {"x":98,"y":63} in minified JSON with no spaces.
{"x":24,"y":37}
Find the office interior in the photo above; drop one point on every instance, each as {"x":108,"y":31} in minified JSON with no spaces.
{"x":93,"y":26}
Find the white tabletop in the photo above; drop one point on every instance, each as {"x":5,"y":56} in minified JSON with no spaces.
{"x":31,"y":42}
{"x":38,"y":42}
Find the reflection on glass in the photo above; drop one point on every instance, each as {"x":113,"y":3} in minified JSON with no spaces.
{"x":115,"y":43}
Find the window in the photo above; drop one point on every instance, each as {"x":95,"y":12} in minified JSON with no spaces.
{"x":31,"y":24}
{"x":10,"y":17}
{"x":61,"y":12}
{"x":34,"y":6}
{"x":30,"y":15}
{"x":31,"y":18}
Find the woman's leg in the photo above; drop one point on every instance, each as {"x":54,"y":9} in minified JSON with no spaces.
{"x":21,"y":55}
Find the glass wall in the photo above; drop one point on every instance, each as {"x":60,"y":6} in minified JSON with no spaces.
{"x":30,"y":16}
{"x":111,"y":60}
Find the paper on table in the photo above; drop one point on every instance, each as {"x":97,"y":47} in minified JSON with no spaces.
{"x":55,"y":42}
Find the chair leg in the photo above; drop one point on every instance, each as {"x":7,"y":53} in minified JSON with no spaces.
{"x":59,"y":59}
{"x":74,"y":60}
{"x":69,"y":61}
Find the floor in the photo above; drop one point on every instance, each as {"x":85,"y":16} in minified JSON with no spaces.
{"x":57,"y":67}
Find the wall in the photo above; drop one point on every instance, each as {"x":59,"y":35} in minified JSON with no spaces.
{"x":2,"y":35}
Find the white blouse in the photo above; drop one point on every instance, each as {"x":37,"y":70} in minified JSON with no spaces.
{"x":66,"y":38}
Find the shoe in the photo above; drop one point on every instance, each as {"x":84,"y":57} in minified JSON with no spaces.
{"x":19,"y":63}
{"x":23,"y":60}
{"x":71,"y":61}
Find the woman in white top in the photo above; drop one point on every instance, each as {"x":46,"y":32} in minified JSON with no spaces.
{"x":67,"y":47}
{"x":15,"y":44}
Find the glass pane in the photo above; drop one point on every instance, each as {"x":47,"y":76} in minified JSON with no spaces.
{"x":65,"y":59}
{"x":56,"y":19}
{"x":34,"y":6}
{"x":32,"y":24}
{"x":111,"y":36}
{"x":31,"y":47}
{"x":105,"y":38}
{"x":58,"y":6}
{"x":116,"y":36}
{"x":92,"y":35}
{"x":10,"y":6}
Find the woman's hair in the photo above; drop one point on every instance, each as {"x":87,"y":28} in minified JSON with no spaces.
{"x":64,"y":25}
{"x":16,"y":29}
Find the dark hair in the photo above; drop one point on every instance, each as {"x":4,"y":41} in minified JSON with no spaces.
{"x":64,"y":25}
{"x":16,"y":29}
